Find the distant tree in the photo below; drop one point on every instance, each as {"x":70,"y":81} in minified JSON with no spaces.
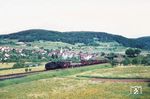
{"x":129,"y":52}
{"x":146,"y":60}
{"x":149,"y":85}
{"x":19,"y":65}
{"x":127,"y":61}
{"x":30,"y":69}
{"x":111,"y":56}
{"x":54,"y":56}
{"x":41,"y":47}
{"x":58,"y":59}
{"x":132,"y":52}
{"x":102,"y":54}
{"x":113,"y":63}
{"x":26,"y":69}
{"x":135,"y":61}
{"x":137,"y":52}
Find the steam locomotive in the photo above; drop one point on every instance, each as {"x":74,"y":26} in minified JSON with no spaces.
{"x":68,"y":64}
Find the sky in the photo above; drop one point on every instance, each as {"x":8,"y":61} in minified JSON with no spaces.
{"x":129,"y":18}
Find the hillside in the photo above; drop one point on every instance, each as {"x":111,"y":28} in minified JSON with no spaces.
{"x":85,"y":37}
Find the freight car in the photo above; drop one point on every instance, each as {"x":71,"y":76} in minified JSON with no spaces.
{"x":92,"y":62}
{"x":67,"y":64}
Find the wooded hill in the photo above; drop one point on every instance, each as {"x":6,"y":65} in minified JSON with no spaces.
{"x":86,"y":37}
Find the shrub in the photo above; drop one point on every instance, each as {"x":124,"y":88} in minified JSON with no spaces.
{"x":30,"y":69}
{"x":149,"y":85}
{"x":19,"y":65}
{"x":127,"y":61}
{"x":113,"y":63}
{"x":135,"y":61}
{"x":146,"y":60}
{"x":26,"y":69}
{"x":132,"y":52}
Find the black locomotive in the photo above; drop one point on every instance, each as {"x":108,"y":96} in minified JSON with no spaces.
{"x":68,"y":64}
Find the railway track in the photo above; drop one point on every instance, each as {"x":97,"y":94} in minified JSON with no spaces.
{"x":18,"y":75}
{"x":103,"y":79}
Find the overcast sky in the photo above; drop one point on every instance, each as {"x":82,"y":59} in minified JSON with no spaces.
{"x":130,"y":18}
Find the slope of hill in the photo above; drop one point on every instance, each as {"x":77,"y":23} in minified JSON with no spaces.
{"x":144,"y":41}
{"x":85,"y":37}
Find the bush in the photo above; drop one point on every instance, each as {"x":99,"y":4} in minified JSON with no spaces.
{"x":132,"y":52}
{"x":135,"y":61}
{"x":30,"y":69}
{"x":19,"y":65}
{"x":149,"y":85}
{"x":113,"y":63}
{"x":26,"y":69}
{"x":146,"y":60}
{"x":127,"y":61}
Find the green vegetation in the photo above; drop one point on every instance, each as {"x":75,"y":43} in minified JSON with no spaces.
{"x":132,"y":52}
{"x":119,"y":72}
{"x":50,"y":74}
{"x":146,"y":60}
{"x":126,"y":62}
{"x":27,"y":69}
{"x":26,"y":51}
{"x":132,"y":56}
{"x":88,"y":38}
{"x":71,"y":88}
{"x":19,"y":65}
{"x":40,"y":51}
{"x":63,"y":84}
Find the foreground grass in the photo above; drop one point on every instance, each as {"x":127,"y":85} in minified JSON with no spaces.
{"x":120,"y":72}
{"x":72,"y":88}
{"x":50,"y":74}
{"x":63,"y":84}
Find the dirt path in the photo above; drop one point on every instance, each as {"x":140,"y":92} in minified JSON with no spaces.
{"x":121,"y":79}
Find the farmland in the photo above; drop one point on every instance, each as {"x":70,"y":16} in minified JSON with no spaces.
{"x":120,"y":72}
{"x":7,"y":69}
{"x":65,"y":84}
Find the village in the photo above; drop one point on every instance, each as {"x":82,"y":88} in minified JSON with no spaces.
{"x":8,"y":54}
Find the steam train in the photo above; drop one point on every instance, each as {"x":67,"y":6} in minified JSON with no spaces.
{"x":68,"y":64}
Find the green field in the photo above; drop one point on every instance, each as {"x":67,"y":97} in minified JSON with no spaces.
{"x":64,"y":84}
{"x":7,"y":68}
{"x":120,"y":72}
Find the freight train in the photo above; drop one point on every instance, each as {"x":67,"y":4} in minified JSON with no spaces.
{"x":68,"y":64}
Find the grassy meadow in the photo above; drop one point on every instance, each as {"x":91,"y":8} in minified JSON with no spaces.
{"x":65,"y":84}
{"x":72,"y":88}
{"x":6,"y":68}
{"x":120,"y":72}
